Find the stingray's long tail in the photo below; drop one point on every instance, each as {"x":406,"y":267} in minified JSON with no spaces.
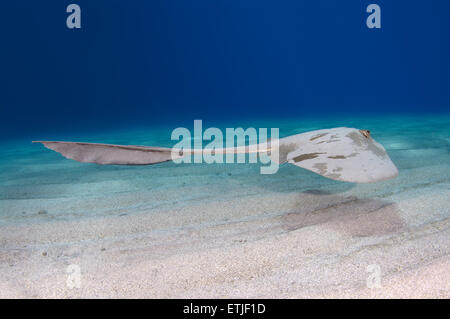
{"x":110,"y":154}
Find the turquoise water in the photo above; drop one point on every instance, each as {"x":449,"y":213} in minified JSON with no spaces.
{"x":34,"y":179}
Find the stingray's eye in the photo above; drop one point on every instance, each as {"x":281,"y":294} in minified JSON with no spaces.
{"x":366,"y":133}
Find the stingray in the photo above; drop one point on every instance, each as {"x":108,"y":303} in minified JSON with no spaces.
{"x":342,"y":154}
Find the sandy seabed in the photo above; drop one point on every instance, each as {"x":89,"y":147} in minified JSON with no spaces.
{"x":223,"y":231}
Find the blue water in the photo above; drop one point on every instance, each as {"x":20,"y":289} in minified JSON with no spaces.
{"x":150,"y":63}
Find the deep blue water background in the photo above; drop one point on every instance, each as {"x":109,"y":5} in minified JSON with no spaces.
{"x":165,"y":63}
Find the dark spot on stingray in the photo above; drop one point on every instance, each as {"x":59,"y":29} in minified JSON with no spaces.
{"x":337,"y":157}
{"x":103,"y":249}
{"x":357,"y":139}
{"x":123,"y":214}
{"x":321,"y":167}
{"x":284,"y":150}
{"x":360,"y":140}
{"x":229,"y":174}
{"x":42,"y":212}
{"x":317,"y":136}
{"x":337,"y":169}
{"x":307,"y":156}
{"x":44,"y":253}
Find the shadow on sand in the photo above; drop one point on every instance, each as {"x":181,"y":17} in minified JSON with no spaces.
{"x":347,"y":215}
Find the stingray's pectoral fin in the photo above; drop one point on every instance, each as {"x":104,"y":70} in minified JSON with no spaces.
{"x":343,"y":154}
{"x":110,"y":154}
